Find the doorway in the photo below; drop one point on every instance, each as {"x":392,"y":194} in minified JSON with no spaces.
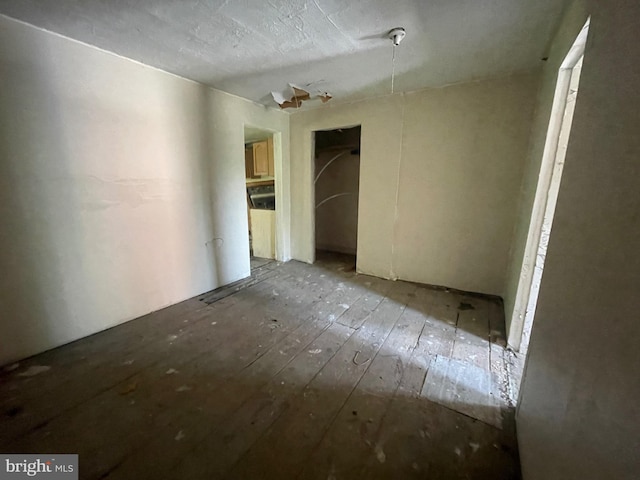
{"x":336,"y":190}
{"x":546,"y":195}
{"x":260,"y":183}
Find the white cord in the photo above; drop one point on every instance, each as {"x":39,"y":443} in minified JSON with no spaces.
{"x":393,"y":66}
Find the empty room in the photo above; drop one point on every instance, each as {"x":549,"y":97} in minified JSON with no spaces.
{"x":312,"y":239}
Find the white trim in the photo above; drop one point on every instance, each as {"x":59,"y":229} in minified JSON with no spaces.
{"x":310,"y":156}
{"x":283,"y":230}
{"x":545,"y":180}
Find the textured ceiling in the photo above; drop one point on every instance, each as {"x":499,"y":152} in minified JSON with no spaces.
{"x":251,"y":47}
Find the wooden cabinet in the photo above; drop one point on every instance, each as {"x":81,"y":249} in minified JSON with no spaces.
{"x":258,"y":159}
{"x":261,"y":158}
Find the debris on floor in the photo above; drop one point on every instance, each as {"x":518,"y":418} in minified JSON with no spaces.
{"x":380,"y":455}
{"x":128,"y":388}
{"x":390,"y":395}
{"x":355,"y":359}
{"x":34,"y":370}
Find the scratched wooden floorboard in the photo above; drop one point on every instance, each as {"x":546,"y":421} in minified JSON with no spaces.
{"x":422,"y":439}
{"x":313,"y":409}
{"x":236,"y":389}
{"x":302,"y":300}
{"x":264,"y":384}
{"x":302,"y":361}
{"x":352,"y":433}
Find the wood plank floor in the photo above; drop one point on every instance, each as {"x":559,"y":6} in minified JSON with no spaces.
{"x":302,"y":371}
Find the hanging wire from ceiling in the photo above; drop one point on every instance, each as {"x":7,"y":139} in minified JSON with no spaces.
{"x":393,"y":66}
{"x":395,"y":35}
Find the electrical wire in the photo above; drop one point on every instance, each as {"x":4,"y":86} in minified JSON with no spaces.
{"x":393,"y":65}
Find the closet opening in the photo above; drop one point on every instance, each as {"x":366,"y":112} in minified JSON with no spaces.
{"x":336,"y":183}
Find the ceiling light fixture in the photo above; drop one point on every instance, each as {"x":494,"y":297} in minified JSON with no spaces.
{"x":396,"y":35}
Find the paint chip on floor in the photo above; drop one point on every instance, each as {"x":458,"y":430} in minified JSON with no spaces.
{"x":171,"y":371}
{"x":183,"y":388}
{"x":34,"y":370}
{"x":315,"y":351}
{"x":380,"y":455}
{"x":128,"y":388}
{"x":180,"y":436}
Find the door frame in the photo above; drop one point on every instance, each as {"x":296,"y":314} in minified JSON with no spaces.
{"x":546,"y":194}
{"x":312,"y":189}
{"x":281,"y":234}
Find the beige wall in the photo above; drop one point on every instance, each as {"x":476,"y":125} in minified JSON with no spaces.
{"x":579,"y":414}
{"x":463,"y":154}
{"x":381,"y":140}
{"x":438,"y":174}
{"x":227,"y":116}
{"x":121,"y":189}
